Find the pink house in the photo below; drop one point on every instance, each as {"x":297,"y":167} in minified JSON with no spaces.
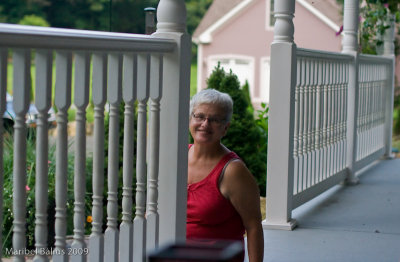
{"x":238,"y":34}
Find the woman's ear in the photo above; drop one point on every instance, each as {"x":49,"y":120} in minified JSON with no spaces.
{"x":226,"y":127}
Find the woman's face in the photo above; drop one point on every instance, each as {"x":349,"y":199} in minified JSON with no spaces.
{"x":207,"y":123}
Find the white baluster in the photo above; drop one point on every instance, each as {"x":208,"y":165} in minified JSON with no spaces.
{"x":306,"y":116}
{"x":301,"y":126}
{"x":62,"y":102}
{"x":345,"y":114}
{"x":129,"y":96}
{"x":296,"y":129}
{"x":342,"y":117}
{"x":367,"y":109}
{"x":325,"y":122}
{"x":152,"y":215}
{"x":363,"y":116}
{"x":44,"y":67}
{"x":313,"y":98}
{"x":330,"y":119}
{"x":319,"y":119}
{"x":21,"y":92}
{"x":335,"y":107}
{"x":3,"y":95}
{"x":114,"y":97}
{"x":81,"y":100}
{"x":359,"y":112}
{"x":139,"y":231}
{"x":99,"y":92}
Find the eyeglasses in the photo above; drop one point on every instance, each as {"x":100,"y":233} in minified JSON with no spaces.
{"x":200,"y":118}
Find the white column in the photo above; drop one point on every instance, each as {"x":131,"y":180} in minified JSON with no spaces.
{"x":350,"y":46}
{"x":174,"y":122}
{"x":280,"y":164}
{"x":388,"y":50}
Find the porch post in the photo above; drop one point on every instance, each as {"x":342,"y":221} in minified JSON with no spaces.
{"x":350,"y":46}
{"x":388,"y":50}
{"x":281,"y":120}
{"x":171,"y":16}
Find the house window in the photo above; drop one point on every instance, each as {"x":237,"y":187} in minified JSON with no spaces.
{"x":242,"y":67}
{"x":270,"y":14}
{"x":264,"y":79}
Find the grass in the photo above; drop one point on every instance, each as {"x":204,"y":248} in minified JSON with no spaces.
{"x":193,"y":79}
{"x":262,"y":207}
{"x":396,"y":142}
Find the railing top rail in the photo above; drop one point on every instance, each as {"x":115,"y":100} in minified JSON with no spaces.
{"x":302,"y":52}
{"x":85,"y":40}
{"x":364,"y":58}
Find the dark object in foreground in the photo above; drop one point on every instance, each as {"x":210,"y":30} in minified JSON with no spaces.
{"x":218,"y":252}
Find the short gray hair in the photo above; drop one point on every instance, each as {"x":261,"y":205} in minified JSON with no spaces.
{"x":214,"y":97}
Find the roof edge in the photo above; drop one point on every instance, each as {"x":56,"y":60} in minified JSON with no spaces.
{"x":206,"y":38}
{"x":320,"y":15}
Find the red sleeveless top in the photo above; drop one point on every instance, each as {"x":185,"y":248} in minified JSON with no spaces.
{"x":210,"y":216}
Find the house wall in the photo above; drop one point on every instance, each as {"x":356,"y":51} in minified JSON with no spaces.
{"x":312,"y":33}
{"x":244,"y":35}
{"x":247,"y":35}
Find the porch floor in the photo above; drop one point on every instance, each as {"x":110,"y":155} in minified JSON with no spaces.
{"x":346,"y":223}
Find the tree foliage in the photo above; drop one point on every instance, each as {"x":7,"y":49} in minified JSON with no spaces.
{"x":195,"y":12}
{"x":376,"y":14}
{"x":103,"y":15}
{"x":373,"y":14}
{"x":244,"y":136}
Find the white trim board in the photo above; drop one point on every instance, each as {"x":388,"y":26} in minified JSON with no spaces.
{"x":320,"y":15}
{"x":206,"y":38}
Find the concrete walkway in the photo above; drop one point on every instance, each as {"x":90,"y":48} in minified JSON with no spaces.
{"x":346,"y":223}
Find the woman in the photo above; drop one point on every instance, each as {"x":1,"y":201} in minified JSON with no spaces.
{"x":223,"y":197}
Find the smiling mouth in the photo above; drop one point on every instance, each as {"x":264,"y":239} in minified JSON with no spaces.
{"x":204,"y":131}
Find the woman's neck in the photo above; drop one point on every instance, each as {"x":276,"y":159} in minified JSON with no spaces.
{"x":209,"y":151}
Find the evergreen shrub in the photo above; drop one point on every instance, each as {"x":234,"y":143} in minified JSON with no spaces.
{"x":244,"y":136}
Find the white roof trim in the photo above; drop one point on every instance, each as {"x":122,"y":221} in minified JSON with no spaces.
{"x":320,"y":15}
{"x":206,"y":37}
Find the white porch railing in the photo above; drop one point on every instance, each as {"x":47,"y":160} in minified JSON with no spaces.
{"x":319,"y":149}
{"x":152,"y":71}
{"x":375,"y":77}
{"x":330,"y":114}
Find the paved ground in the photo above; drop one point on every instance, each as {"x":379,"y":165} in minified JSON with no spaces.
{"x":347,"y":223}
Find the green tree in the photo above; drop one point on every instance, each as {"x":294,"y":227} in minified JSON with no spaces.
{"x":375,"y":14}
{"x":195,"y":12}
{"x":244,"y":136}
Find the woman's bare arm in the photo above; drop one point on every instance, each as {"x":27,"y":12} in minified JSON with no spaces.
{"x":240,"y":188}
